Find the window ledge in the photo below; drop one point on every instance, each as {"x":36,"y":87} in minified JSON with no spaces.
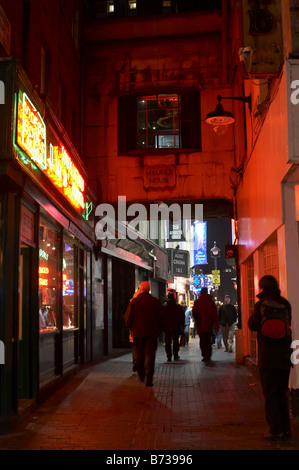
{"x":156,"y":152}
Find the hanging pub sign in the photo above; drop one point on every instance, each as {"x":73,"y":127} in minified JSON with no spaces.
{"x":43,"y":148}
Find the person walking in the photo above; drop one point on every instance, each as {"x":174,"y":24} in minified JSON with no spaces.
{"x":143,"y":318}
{"x":173,"y":326}
{"x":205,"y":316}
{"x":131,"y":339}
{"x":188,"y":317}
{"x":227,"y":319}
{"x":274,"y":354}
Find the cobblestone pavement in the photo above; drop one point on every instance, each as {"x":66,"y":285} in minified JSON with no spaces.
{"x":192,"y":406}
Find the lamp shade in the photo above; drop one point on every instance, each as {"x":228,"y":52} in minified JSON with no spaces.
{"x":219,"y":119}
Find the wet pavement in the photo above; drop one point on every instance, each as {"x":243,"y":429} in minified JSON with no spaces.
{"x":192,"y":406}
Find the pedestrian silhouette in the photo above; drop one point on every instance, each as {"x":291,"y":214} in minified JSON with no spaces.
{"x":274,"y":355}
{"x":205,"y":316}
{"x":173,"y":326}
{"x":143,"y":319}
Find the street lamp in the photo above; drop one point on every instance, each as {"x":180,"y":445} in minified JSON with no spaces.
{"x":221,"y":119}
{"x":215,"y":253}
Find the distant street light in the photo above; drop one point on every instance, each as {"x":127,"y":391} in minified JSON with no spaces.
{"x":215,"y":253}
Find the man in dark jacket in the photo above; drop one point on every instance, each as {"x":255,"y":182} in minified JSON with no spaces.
{"x":173,"y":326}
{"x":205,"y":316}
{"x":143,"y":319}
{"x":274,"y":361}
{"x":227,"y":319}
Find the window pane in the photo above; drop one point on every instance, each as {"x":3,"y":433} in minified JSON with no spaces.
{"x":158,"y":118}
{"x":68,"y":290}
{"x":48,"y":269}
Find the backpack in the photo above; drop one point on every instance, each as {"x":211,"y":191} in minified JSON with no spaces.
{"x":275,"y":319}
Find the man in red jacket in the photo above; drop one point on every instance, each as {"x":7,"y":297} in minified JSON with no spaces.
{"x":143,"y":318}
{"x":205,"y":315}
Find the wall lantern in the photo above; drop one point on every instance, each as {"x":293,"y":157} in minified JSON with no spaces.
{"x":221,"y":119}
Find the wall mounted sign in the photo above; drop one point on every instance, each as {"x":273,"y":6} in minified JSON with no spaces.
{"x":163,"y":176}
{"x":49,"y":155}
{"x":32,"y":132}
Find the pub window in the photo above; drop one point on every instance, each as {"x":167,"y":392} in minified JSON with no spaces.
{"x":156,"y":123}
{"x":68,"y":284}
{"x":48,"y":278}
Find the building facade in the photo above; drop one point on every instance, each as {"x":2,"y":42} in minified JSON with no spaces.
{"x":267,"y":178}
{"x":46,"y":235}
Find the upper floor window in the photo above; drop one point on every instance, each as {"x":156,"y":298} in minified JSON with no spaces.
{"x":132,"y":4}
{"x":161,"y":122}
{"x":110,"y":6}
{"x":158,"y":123}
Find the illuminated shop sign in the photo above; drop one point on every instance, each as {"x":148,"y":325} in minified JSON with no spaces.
{"x":64,"y":174}
{"x":43,"y":270}
{"x":32,"y":132}
{"x":51,"y":158}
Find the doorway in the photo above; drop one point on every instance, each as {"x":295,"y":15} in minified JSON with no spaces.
{"x":25,"y":330}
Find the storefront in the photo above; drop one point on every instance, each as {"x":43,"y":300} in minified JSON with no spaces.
{"x":46,"y":248}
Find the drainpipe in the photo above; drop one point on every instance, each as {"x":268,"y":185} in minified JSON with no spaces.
{"x":224,"y":42}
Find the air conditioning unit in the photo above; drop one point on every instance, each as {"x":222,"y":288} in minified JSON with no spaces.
{"x":262,"y":50}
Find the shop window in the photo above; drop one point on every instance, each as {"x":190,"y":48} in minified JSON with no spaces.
{"x":68,"y":282}
{"x":159,"y":122}
{"x":48,"y":278}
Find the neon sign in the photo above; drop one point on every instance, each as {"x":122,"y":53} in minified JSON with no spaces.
{"x":43,"y":270}
{"x":32,"y":132}
{"x":64,"y":174}
{"x":53,"y":160}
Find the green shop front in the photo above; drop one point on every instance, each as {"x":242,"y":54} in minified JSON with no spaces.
{"x":46,"y":249}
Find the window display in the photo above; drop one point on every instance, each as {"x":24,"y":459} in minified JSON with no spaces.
{"x":48,"y":269}
{"x":68,"y":289}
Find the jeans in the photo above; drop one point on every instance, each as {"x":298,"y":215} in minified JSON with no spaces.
{"x":205,"y":342}
{"x":228,"y":336}
{"x":172,"y":345}
{"x":145,"y":357}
